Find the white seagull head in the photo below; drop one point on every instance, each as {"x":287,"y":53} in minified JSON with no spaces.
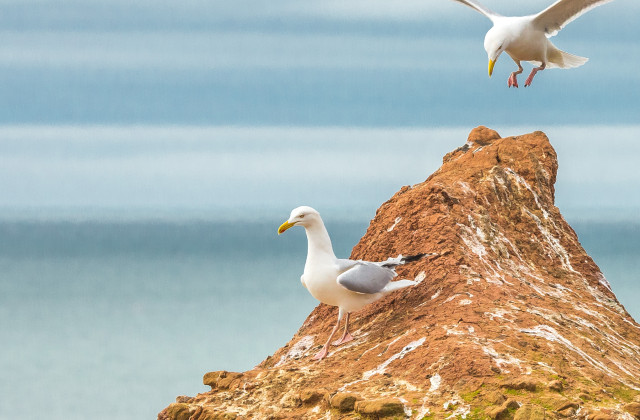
{"x":304,"y":216}
{"x":495,"y":42}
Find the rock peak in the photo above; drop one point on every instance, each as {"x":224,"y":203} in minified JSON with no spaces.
{"x":512,"y":316}
{"x":482,"y":136}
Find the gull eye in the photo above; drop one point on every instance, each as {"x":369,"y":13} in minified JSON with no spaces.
{"x":301,"y":216}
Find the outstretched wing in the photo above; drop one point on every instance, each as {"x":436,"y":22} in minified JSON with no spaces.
{"x":561,"y":13}
{"x":479,"y":8}
{"x":365,"y":277}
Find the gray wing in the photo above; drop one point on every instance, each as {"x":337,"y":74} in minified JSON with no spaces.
{"x":562,"y":12}
{"x":344,"y":265}
{"x":365,"y":277}
{"x":479,"y":8}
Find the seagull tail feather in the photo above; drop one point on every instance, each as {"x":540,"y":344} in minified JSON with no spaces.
{"x":564,"y":60}
{"x":397,"y":285}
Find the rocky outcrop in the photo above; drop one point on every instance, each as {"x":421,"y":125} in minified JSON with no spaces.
{"x":512,"y":319}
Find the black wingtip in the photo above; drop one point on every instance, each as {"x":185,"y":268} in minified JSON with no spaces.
{"x":416,"y":257}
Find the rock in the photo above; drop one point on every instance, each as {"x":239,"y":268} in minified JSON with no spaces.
{"x":211,"y":378}
{"x":510,"y":290}
{"x":568,"y":405}
{"x":530,"y":412}
{"x":559,"y":403}
{"x":311,"y":396}
{"x":482,"y":136}
{"x":521,"y":383}
{"x":184,"y":399}
{"x":290,"y":400}
{"x":207,"y":413}
{"x":601,"y":416}
{"x":504,"y":411}
{"x":567,"y":412}
{"x":584,"y":396}
{"x":495,"y":398}
{"x":175,"y":411}
{"x":556,"y":386}
{"x":230,"y":381}
{"x":380,"y":408}
{"x":343,"y":401}
{"x":221,"y":379}
{"x":633,"y":409}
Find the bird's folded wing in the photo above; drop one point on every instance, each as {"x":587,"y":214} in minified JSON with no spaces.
{"x":344,"y":265}
{"x":480,"y":8}
{"x":561,"y":13}
{"x":365,"y":277}
{"x":390,"y":262}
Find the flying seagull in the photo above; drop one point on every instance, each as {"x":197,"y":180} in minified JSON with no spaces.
{"x":525,"y":38}
{"x":347,"y":284}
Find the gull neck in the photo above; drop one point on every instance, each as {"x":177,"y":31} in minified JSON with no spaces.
{"x":318,"y":241}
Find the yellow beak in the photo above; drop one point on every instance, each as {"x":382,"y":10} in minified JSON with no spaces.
{"x":286,"y":225}
{"x":491,"y":64}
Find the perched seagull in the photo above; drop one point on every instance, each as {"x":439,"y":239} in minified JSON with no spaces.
{"x":347,"y":284}
{"x":524,"y":38}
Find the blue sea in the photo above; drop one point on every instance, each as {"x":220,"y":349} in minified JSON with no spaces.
{"x":114,"y":319}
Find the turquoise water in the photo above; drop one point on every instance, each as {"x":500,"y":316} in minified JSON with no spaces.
{"x":114,"y":320}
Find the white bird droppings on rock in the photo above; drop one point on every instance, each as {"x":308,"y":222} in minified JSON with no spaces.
{"x":435,"y":380}
{"x":398,"y":219}
{"x":297,"y":350}
{"x":407,"y":349}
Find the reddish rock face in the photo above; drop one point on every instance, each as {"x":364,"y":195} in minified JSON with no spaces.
{"x":511,"y":318}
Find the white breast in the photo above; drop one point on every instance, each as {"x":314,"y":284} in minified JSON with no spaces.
{"x":528,"y":43}
{"x":321,"y":282}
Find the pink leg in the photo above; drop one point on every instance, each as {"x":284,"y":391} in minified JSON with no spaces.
{"x":346,"y":337}
{"x":513,"y":80}
{"x":533,"y":73}
{"x":325,"y":349}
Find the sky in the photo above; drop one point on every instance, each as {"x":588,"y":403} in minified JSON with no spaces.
{"x":345,"y":63}
{"x":199,"y":105}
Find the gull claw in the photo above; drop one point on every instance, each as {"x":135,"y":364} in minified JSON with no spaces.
{"x":321,"y":354}
{"x":513,"y":81}
{"x":345,"y":339}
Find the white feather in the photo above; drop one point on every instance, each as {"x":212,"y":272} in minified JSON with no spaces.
{"x":555,"y":17}
{"x":479,"y":8}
